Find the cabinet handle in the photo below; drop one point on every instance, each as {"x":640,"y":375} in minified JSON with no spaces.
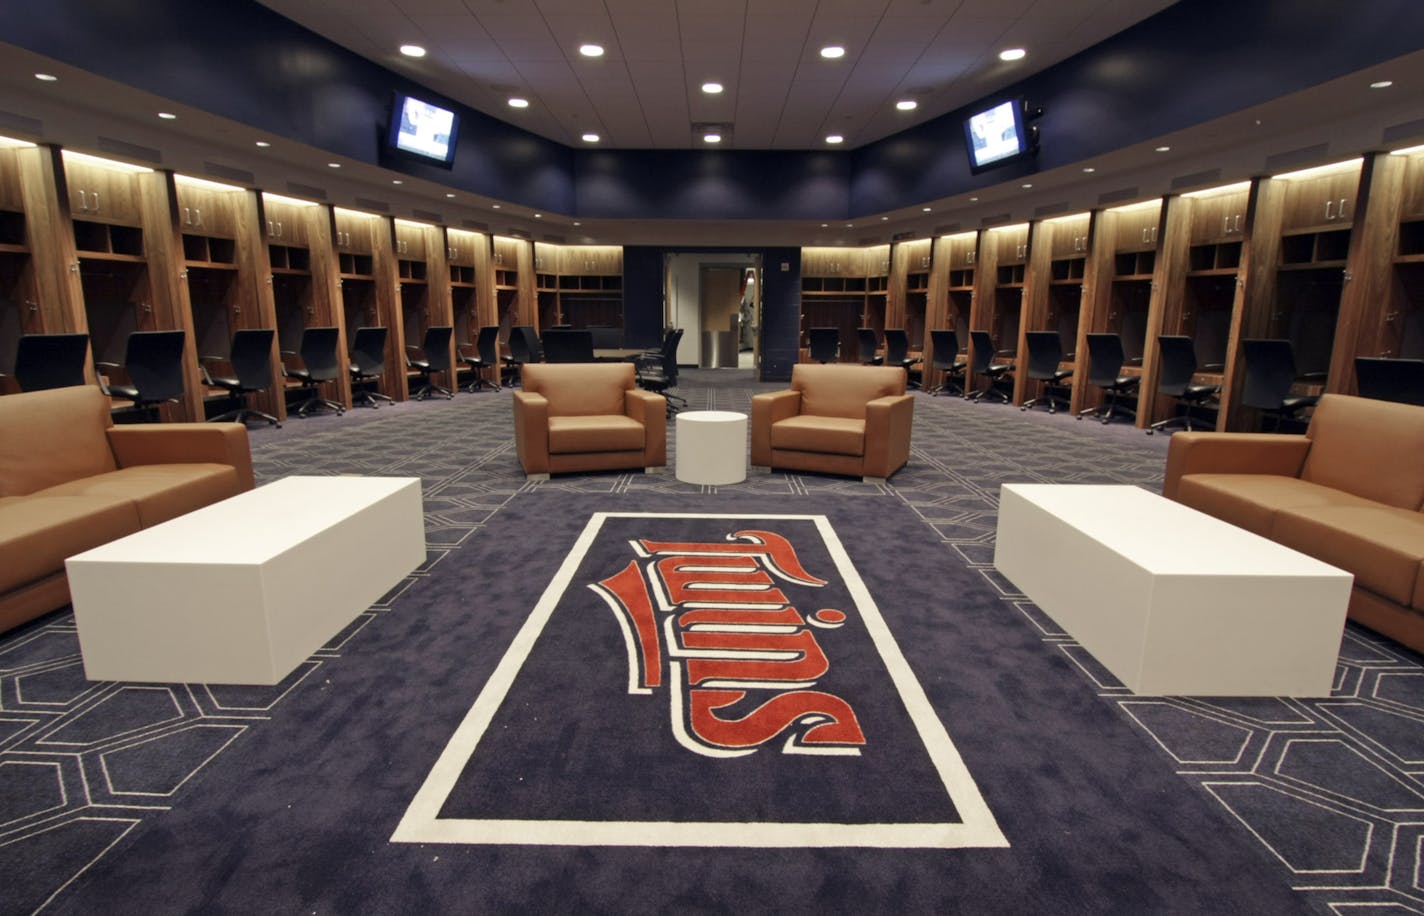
{"x":96,"y":201}
{"x":1226,"y":225}
{"x":1342,"y":208}
{"x":1237,"y":223}
{"x":83,"y":200}
{"x":1330,"y":209}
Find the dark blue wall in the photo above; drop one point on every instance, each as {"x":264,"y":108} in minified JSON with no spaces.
{"x":642,"y":295}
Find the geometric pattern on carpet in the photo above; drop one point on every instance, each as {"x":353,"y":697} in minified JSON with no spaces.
{"x":1330,"y":787}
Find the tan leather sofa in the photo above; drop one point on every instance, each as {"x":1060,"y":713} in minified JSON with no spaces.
{"x":835,"y":419}
{"x":587,"y":417}
{"x":70,"y":480}
{"x":1348,"y":492}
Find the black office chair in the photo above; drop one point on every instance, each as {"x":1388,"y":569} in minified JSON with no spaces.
{"x":1045,"y":353}
{"x":368,"y":364}
{"x":1105,"y":362}
{"x":434,"y":356}
{"x":250,"y":357}
{"x":1400,"y":380}
{"x":153,"y":361}
{"x":1270,"y":374}
{"x":825,"y":344}
{"x":51,"y":361}
{"x":318,"y":352}
{"x":1174,"y":379}
{"x":897,"y":353}
{"x":523,"y":348}
{"x":486,"y":356}
{"x":983,"y":362}
{"x":869,"y":343}
{"x":947,"y":360}
{"x":660,"y":374}
{"x":566,"y":345}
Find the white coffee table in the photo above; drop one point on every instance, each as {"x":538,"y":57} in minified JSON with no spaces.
{"x":244,"y":590}
{"x":711,"y":447}
{"x":1170,"y":600}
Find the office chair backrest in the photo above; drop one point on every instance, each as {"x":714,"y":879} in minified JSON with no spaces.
{"x":669,"y":355}
{"x":825,"y":344}
{"x":1270,"y":373}
{"x":368,"y":351}
{"x":983,"y":354}
{"x":251,"y":357}
{"x":487,"y":344}
{"x":318,"y":351}
{"x":946,"y":348}
{"x":154,"y":363}
{"x":1105,"y":359}
{"x":1400,"y":380}
{"x":606,"y":338}
{"x":869,"y":342}
{"x":566,"y":345}
{"x":897,"y":346}
{"x":437,"y":346}
{"x":1179,"y":364}
{"x":51,"y":361}
{"x":1045,"y":352}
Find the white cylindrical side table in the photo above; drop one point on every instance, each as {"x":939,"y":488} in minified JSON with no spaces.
{"x":711,"y":447}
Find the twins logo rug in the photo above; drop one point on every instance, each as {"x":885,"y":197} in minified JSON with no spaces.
{"x":703,"y":680}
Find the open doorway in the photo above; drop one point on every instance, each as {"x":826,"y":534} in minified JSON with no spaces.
{"x":715,"y":297}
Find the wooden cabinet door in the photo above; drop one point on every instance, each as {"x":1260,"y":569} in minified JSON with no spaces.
{"x":1218,"y":217}
{"x":1012,"y":245}
{"x":1070,"y":236}
{"x":208,"y":211}
{"x":354,"y":231}
{"x":410,"y":241}
{"x":1320,"y":202}
{"x":286,"y":222}
{"x":102,"y":194}
{"x":1137,"y":229}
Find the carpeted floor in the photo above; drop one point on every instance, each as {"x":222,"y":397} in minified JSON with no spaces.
{"x":189,"y":798}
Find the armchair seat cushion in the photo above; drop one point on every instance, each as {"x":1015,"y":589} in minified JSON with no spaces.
{"x":1382,"y":545}
{"x":600,"y":433}
{"x":1252,"y":501}
{"x":37,"y":533}
{"x":832,"y":435}
{"x":158,"y":492}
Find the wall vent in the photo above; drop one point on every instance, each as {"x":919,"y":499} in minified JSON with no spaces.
{"x":1121,"y":194}
{"x":1197,"y":180}
{"x":305,"y":190}
{"x":1297,"y":158}
{"x":366,"y":203}
{"x":227,"y":172}
{"x":129,"y":150}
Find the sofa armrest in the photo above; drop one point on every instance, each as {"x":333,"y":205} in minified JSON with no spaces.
{"x":650,"y":409}
{"x":531,"y":431}
{"x":1232,"y":453}
{"x":887,"y":434}
{"x":184,"y":443}
{"x":766,"y":410}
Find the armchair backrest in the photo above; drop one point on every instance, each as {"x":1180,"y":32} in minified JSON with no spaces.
{"x":843,"y":390}
{"x":53,"y":436}
{"x":1366,"y":447}
{"x":580,"y":389}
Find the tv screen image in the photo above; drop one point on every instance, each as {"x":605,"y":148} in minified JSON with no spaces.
{"x":995,"y":135}
{"x":423,"y":129}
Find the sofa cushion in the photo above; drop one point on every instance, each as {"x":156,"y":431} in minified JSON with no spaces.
{"x":843,"y":391}
{"x":49,"y":437}
{"x":833,"y":435}
{"x":160,"y":491}
{"x":1369,"y":448}
{"x":1381,"y":545}
{"x":1251,"y":501}
{"x":37,"y":533}
{"x":580,"y":389}
{"x":612,"y":433}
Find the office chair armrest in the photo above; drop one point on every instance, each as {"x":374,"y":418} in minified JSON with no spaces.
{"x":1213,"y":367}
{"x":184,"y":443}
{"x":888,"y":421}
{"x":106,"y":365}
{"x":768,"y":409}
{"x":1232,"y":453}
{"x":1317,"y":376}
{"x":531,"y":431}
{"x":1132,"y":361}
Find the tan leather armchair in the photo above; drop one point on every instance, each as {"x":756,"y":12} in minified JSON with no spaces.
{"x":835,"y":419}
{"x":587,"y":417}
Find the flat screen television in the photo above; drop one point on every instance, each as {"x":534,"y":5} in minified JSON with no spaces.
{"x":997,"y":135}
{"x":425,"y":131}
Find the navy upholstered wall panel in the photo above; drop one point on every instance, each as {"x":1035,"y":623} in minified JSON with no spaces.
{"x":780,"y":312}
{"x":642,"y":295}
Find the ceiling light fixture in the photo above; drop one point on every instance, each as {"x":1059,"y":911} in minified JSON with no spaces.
{"x":1381,"y":84}
{"x":450,"y":194}
{"x":397,"y":181}
{"x":1164,"y":149}
{"x":833,"y":52}
{"x":412,"y":50}
{"x":46,"y":77}
{"x":263,"y":143}
{"x":538,"y":216}
{"x":1407,"y":151}
{"x":711,"y":88}
{"x":495,"y":206}
{"x":907,"y":105}
{"x":11,"y":142}
{"x":168,"y":116}
{"x":1026,"y":185}
{"x":1089,"y":169}
{"x":591,"y":50}
{"x":1012,"y":54}
{"x":925,"y":209}
{"x":591,"y":137}
{"x":712,"y":137}
{"x":114,"y":164}
{"x":517,"y":102}
{"x":835,"y":138}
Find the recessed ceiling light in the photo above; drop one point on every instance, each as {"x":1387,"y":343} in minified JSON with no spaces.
{"x":591,"y":137}
{"x":412,"y":50}
{"x":168,"y":116}
{"x":835,"y":138}
{"x":825,"y":225}
{"x":850,"y":225}
{"x":333,"y":165}
{"x":1164,"y":149}
{"x":1012,"y":54}
{"x":46,"y":77}
{"x":712,"y":137}
{"x":397,"y":181}
{"x":517,"y":102}
{"x":591,"y":50}
{"x":1026,"y":185}
{"x":711,"y":88}
{"x":925,"y":209}
{"x":450,"y":194}
{"x":495,"y":206}
{"x":832,"y":52}
{"x":973,"y":200}
{"x":1381,"y":84}
{"x":907,"y":105}
{"x":1089,"y":168}
{"x":577,"y":223}
{"x":885,"y":219}
{"x":263,"y":143}
{"x":538,"y":216}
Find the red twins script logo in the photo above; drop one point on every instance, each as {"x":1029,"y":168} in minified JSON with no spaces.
{"x":709,"y":622}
